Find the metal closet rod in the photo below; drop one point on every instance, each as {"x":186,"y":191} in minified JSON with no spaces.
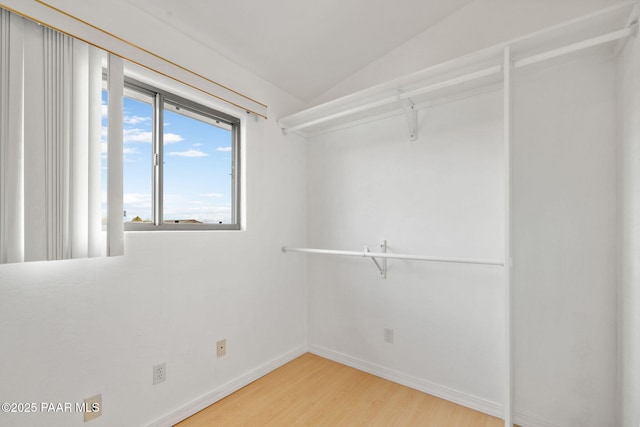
{"x":401,"y":96}
{"x":367,"y":254}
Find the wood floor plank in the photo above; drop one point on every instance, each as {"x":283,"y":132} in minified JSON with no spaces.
{"x":313,"y":391}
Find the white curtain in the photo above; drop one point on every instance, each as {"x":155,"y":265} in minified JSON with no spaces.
{"x":115,"y":226}
{"x":11,"y":137}
{"x":50,"y":146}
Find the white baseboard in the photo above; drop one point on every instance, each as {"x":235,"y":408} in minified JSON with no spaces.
{"x":464,"y":399}
{"x":528,"y":420}
{"x":228,"y":388}
{"x":455,"y":396}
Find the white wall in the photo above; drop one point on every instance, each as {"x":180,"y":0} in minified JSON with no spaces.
{"x":564,"y":243}
{"x":564,"y":238}
{"x":629,"y":202}
{"x":73,"y":329}
{"x":440,"y":196}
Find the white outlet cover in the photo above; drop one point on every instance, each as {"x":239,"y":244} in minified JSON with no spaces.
{"x":388,"y":335}
{"x":221,"y":348}
{"x":159,"y":373}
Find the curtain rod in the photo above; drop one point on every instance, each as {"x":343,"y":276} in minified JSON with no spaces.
{"x":258,"y":108}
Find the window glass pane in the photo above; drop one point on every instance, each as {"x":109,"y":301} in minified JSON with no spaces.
{"x":198,"y":161}
{"x":104,"y":162}
{"x":137,"y":151}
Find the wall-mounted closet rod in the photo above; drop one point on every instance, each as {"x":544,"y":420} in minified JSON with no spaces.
{"x":575,"y":47}
{"x":395,"y":256}
{"x":452,"y":82}
{"x":400,"y":96}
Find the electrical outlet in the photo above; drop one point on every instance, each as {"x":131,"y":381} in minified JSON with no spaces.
{"x":92,"y":407}
{"x":159,"y":373}
{"x":388,"y":335}
{"x":221,"y":348}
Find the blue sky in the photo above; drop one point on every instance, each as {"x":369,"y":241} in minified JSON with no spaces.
{"x":197,"y":166}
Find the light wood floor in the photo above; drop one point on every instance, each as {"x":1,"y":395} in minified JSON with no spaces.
{"x":313,"y":391}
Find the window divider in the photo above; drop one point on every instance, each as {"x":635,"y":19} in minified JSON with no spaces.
{"x":158,"y":158}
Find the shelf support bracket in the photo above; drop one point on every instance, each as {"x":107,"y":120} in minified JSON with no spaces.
{"x":411,"y":114}
{"x":381,"y":268}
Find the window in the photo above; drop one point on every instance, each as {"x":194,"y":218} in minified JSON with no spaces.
{"x":181,"y":163}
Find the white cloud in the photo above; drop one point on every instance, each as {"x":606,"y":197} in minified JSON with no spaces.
{"x":136,"y":198}
{"x":198,"y":144}
{"x":134,"y":120}
{"x":188,"y":153}
{"x":216,"y":195}
{"x":139,"y":135}
{"x":206,"y":214}
{"x":223,"y":149}
{"x":170,"y":138}
{"x":131,"y":154}
{"x":137,"y":204}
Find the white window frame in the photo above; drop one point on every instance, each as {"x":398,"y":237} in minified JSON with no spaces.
{"x":160,"y":97}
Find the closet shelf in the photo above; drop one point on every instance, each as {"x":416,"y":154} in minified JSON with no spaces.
{"x":480,"y":71}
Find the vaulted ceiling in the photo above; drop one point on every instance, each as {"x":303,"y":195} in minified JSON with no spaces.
{"x":303,"y":47}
